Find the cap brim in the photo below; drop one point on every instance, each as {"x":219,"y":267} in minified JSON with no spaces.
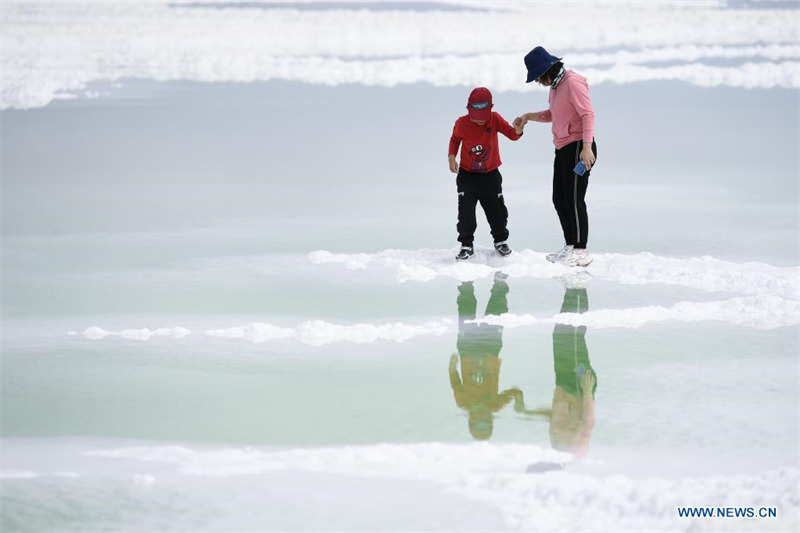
{"x":480,"y":114}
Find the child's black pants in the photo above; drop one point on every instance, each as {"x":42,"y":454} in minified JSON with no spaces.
{"x":486,"y":188}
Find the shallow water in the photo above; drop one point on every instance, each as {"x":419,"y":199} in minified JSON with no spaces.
{"x":248,"y":321}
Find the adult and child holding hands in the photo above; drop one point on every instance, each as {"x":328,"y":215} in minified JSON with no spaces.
{"x":478,"y":178}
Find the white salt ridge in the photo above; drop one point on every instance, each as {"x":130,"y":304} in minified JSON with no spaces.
{"x":26,"y":474}
{"x":419,"y":461}
{"x":761,"y":312}
{"x":18,"y":474}
{"x":102,"y":42}
{"x":703,"y":273}
{"x":97,"y":333}
{"x":144,"y":479}
{"x":318,"y":332}
{"x":774,"y":52}
{"x":417,"y":265}
{"x":496,"y":474}
{"x":561,"y":502}
{"x":771,"y":295}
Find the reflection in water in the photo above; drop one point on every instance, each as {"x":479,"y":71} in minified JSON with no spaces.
{"x":479,"y":345}
{"x":572,"y":415}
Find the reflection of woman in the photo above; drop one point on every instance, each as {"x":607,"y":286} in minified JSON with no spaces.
{"x":479,"y":345}
{"x":572,"y":416}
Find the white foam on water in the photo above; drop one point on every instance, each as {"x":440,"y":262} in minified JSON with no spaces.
{"x":103,"y":42}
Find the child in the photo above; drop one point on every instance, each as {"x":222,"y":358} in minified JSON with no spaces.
{"x":479,"y":179}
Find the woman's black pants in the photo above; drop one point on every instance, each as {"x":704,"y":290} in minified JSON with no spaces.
{"x":569,"y":191}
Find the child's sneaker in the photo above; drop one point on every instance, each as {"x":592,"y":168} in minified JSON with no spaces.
{"x":465,"y":253}
{"x":577,"y":257}
{"x":502,"y":248}
{"x":559,"y":255}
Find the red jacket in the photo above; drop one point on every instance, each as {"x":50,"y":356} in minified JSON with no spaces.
{"x":480,"y":151}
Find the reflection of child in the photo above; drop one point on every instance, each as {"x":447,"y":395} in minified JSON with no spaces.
{"x":479,"y":345}
{"x":479,"y":179}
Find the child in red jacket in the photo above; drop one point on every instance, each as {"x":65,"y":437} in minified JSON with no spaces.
{"x":479,"y":179}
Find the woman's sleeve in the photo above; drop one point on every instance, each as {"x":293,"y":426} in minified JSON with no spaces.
{"x":545,"y":116}
{"x":579,"y":98}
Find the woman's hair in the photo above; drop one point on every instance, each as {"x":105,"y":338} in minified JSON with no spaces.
{"x":552,"y":72}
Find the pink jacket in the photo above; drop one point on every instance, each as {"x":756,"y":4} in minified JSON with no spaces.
{"x":570,"y":111}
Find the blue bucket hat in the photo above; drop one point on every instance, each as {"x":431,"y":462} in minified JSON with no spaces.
{"x":537,"y":62}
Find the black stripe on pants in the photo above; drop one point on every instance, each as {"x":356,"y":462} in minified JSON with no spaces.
{"x":569,"y":191}
{"x":486,"y":188}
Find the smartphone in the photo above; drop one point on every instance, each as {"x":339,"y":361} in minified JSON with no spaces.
{"x":580,"y":168}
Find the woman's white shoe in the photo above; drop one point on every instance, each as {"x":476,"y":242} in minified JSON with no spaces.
{"x":559,"y":255}
{"x":577,"y":257}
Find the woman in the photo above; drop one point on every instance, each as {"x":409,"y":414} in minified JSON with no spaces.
{"x":572,"y":117}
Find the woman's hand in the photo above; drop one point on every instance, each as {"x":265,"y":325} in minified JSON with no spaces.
{"x":520,"y":121}
{"x":588,"y":381}
{"x":587,"y":156}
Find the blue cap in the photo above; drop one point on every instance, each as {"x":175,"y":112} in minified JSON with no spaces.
{"x":537,"y":62}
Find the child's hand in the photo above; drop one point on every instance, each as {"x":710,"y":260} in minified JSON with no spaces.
{"x":453,"y":165}
{"x":453,"y":361}
{"x":519,"y":127}
{"x":519,"y":122}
